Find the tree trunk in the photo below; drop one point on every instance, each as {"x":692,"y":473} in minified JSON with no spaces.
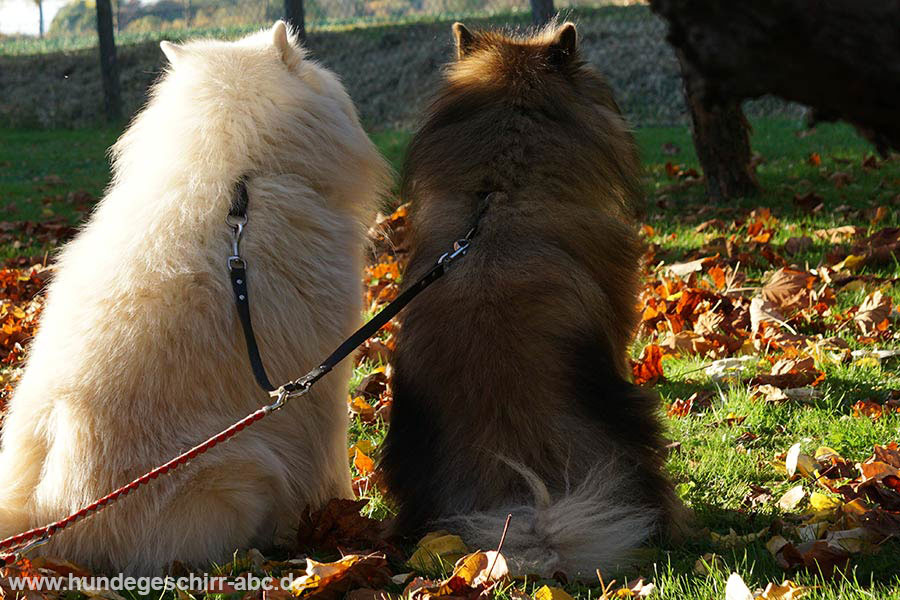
{"x":722,"y":139}
{"x":293,"y":15}
{"x":112,"y":95}
{"x":541,"y":11}
{"x":41,"y":18}
{"x":841,"y":57}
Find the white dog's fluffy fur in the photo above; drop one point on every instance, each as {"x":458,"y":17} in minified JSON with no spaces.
{"x":140,"y":353}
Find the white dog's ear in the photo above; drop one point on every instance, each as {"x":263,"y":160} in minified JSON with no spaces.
{"x":282,"y":42}
{"x":173,"y":52}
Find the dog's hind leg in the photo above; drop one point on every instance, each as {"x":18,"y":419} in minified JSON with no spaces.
{"x":21,"y":461}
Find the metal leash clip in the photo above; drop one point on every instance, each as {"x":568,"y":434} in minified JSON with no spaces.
{"x":236,"y":223}
{"x":460,"y":247}
{"x":17,"y":555}
{"x":295,"y":389}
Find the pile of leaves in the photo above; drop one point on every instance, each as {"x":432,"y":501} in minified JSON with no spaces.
{"x":707,"y":307}
{"x":853,"y":508}
{"x":20,"y":309}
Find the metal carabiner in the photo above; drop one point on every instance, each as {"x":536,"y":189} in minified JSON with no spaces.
{"x":21,"y":552}
{"x":236,"y":223}
{"x":294,"y":389}
{"x":460,"y":247}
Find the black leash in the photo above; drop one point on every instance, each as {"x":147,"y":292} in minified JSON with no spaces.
{"x":237,"y":266}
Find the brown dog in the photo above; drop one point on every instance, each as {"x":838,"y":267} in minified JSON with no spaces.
{"x":511,"y":389}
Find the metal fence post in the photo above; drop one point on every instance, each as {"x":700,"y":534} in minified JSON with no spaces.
{"x":293,"y":15}
{"x":112,"y":95}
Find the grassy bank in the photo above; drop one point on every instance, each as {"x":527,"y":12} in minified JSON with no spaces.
{"x":390,"y":69}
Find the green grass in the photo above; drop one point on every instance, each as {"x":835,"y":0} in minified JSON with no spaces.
{"x":712,"y":471}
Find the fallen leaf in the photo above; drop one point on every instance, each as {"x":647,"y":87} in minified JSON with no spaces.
{"x":729,"y":368}
{"x":683,"y":269}
{"x":736,"y":589}
{"x":339,"y":526}
{"x":363,"y":464}
{"x":331,"y":581}
{"x":873,"y":313}
{"x":365,"y":411}
{"x":864,"y":408}
{"x":788,"y":590}
{"x":648,"y":368}
{"x":436,"y":550}
{"x":552,"y":593}
{"x":763,"y":311}
{"x":798,"y":462}
{"x":792,"y":498}
{"x":789,"y":289}
{"x":708,"y":563}
{"x":796,"y":245}
{"x":836,"y":235}
{"x":481,"y":567}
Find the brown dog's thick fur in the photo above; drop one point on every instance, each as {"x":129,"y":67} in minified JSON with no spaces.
{"x":511,"y":389}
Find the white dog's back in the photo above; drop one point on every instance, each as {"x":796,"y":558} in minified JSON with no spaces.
{"x":140,"y":354}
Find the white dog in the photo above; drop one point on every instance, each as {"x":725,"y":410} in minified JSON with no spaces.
{"x":140,"y":353}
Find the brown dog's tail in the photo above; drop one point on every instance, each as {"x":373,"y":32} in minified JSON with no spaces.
{"x":592,"y":526}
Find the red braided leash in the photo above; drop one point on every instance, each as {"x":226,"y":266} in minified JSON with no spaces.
{"x":42,"y":534}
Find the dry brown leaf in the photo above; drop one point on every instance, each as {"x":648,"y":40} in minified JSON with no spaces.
{"x":873,"y":313}
{"x":789,"y":289}
{"x":796,"y":245}
{"x":331,"y":581}
{"x":339,"y":526}
{"x":836,"y":235}
{"x":684,"y":269}
{"x":763,"y":311}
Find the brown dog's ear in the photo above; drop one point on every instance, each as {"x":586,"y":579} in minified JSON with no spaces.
{"x":564,"y":45}
{"x":464,"y":40}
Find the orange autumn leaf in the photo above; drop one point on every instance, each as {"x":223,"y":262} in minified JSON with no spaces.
{"x":363,"y":464}
{"x":388,"y":269}
{"x":682,"y":407}
{"x":864,"y":408}
{"x":648,"y":369}
{"x":718,"y":277}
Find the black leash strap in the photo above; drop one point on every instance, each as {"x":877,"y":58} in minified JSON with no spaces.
{"x":237,"y":219}
{"x":237,"y":269}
